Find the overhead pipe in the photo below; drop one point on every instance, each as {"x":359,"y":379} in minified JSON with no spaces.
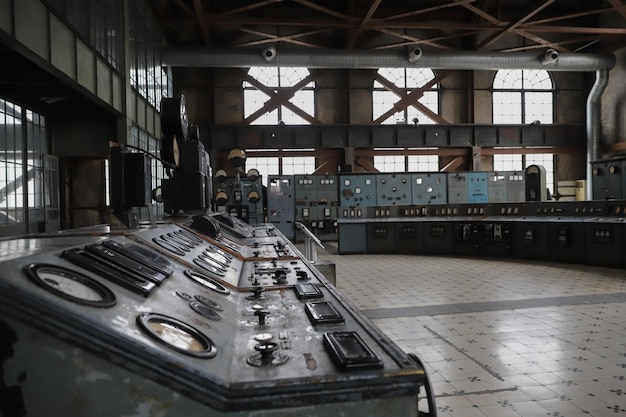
{"x":594,"y":125}
{"x":374,"y":59}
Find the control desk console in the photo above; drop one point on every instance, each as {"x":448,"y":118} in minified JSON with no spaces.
{"x":198,"y":316}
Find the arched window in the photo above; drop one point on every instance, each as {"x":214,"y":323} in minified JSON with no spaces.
{"x":273,"y":95}
{"x":392,"y":85}
{"x":523,"y":96}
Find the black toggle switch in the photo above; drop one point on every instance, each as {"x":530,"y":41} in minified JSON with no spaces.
{"x":302,"y":275}
{"x":256,"y":293}
{"x":266,"y":349}
{"x":280,"y":277}
{"x":261,"y":315}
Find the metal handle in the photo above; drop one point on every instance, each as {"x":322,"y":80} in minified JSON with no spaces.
{"x":430,"y":396}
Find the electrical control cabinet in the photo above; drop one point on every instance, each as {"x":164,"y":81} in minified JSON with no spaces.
{"x":515,"y":186}
{"x":357,"y":190}
{"x":316,"y":202}
{"x":327,"y":206}
{"x":393,"y":189}
{"x":457,"y":188}
{"x":242,"y":198}
{"x":381,"y":237}
{"x":409,"y":237}
{"x":498,"y":237}
{"x":477,"y":187}
{"x":607,"y":178}
{"x":281,"y":204}
{"x":352,"y":236}
{"x":429,"y":188}
{"x":206,"y":316}
{"x":438,"y":237}
{"x":567,"y":239}
{"x":605,"y":241}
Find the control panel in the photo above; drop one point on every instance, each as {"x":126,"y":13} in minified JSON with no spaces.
{"x":193,"y":307}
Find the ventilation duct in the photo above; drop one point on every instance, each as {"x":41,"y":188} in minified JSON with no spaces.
{"x":374,"y":59}
{"x":594,"y":124}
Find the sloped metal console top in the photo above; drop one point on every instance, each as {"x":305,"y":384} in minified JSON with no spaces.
{"x":235,"y":337}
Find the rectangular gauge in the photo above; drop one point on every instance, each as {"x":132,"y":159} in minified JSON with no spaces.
{"x":349,"y":352}
{"x":307,"y":290}
{"x":141,"y":254}
{"x":110,"y":271}
{"x":323,"y":312}
{"x":125,"y":262}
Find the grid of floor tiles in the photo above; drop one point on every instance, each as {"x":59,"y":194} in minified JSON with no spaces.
{"x":500,"y":338}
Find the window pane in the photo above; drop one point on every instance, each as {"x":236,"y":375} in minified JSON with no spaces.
{"x":507,"y":162}
{"x":406,"y":80}
{"x":278,"y":79}
{"x":298,"y":165}
{"x":507,"y":107}
{"x":423,"y":163}
{"x":538,"y":107}
{"x":266,"y":166}
{"x":389,"y":163}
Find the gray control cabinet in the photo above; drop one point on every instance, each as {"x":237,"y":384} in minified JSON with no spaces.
{"x":281,"y":204}
{"x":429,"y":188}
{"x":393,"y":189}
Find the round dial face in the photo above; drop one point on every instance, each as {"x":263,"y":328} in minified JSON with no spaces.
{"x":177,"y":335}
{"x":70,"y":285}
{"x":184,"y":122}
{"x":170,"y":151}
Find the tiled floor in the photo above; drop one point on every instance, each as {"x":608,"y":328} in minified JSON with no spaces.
{"x":500,"y":338}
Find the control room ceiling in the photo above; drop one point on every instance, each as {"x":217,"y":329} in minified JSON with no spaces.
{"x":590,"y":26}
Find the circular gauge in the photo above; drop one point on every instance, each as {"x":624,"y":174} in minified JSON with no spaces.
{"x":237,"y":157}
{"x":205,"y":311}
{"x":221,"y":175}
{"x":174,"y":117}
{"x":170,"y":151}
{"x":253,"y":174}
{"x":205,"y":265}
{"x":70,"y":285}
{"x":221,"y":198}
{"x":254,"y":196}
{"x":168,"y":246}
{"x":177,"y":335}
{"x":208,"y":302}
{"x":207,"y":282}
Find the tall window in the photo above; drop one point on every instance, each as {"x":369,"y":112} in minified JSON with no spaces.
{"x":275,"y":95}
{"x":394,"y":84}
{"x":21,"y":164}
{"x":523,"y":96}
